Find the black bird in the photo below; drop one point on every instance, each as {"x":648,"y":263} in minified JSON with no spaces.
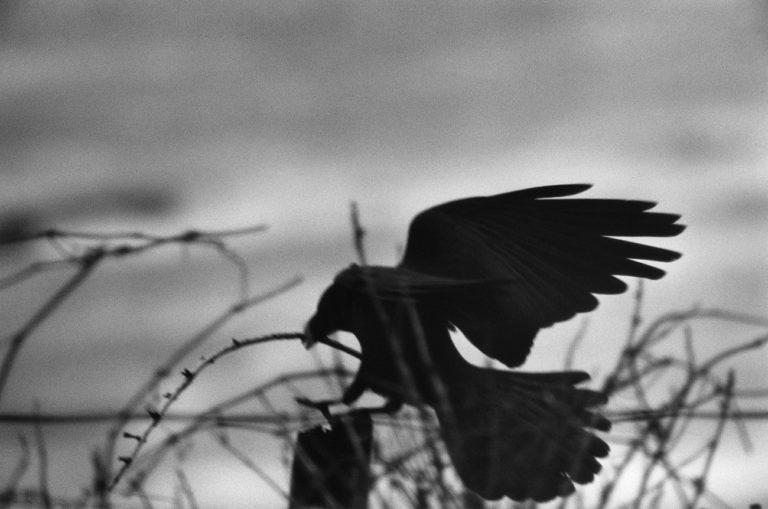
{"x":498,"y":268}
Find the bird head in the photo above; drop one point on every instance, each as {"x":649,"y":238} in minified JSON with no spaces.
{"x":328,"y":318}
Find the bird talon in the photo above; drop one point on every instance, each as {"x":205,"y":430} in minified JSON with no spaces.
{"x":321,"y":405}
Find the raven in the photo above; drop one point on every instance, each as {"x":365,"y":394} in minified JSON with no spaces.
{"x":498,"y":268}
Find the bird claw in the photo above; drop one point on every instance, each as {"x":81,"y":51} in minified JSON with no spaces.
{"x":321,"y":405}
{"x":391,"y":407}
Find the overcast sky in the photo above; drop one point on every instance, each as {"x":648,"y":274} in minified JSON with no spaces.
{"x":160,"y":116}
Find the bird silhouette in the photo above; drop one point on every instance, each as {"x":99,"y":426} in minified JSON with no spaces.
{"x":498,"y":268}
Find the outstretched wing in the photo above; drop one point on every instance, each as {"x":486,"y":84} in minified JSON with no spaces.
{"x":555,"y":253}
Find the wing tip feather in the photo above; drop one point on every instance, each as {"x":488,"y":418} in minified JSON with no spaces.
{"x":553,"y":191}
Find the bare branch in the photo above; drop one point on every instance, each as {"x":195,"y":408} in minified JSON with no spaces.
{"x":42,"y":458}
{"x":7,"y":494}
{"x":87,"y":265}
{"x":162,"y":372}
{"x":186,"y":489}
{"x":358,"y":234}
{"x":575,"y":343}
{"x":223,"y":440}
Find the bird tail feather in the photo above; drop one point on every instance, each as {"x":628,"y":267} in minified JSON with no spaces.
{"x":523,"y":435}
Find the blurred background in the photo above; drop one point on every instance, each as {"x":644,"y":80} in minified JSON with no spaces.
{"x":159,"y":116}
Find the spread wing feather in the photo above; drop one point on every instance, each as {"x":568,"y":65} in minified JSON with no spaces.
{"x":553,"y":253}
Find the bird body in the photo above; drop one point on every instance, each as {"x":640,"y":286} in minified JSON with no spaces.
{"x":405,"y":344}
{"x":498,"y":268}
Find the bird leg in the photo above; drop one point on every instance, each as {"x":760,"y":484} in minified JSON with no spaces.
{"x":321,"y":405}
{"x":355,"y":389}
{"x":391,"y":406}
{"x":351,"y":394}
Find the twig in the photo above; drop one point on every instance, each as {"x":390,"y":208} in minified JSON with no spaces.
{"x":358,"y":234}
{"x":7,"y":494}
{"x":162,"y":372}
{"x":87,"y":265}
{"x":575,"y":343}
{"x":146,"y":502}
{"x":645,"y":415}
{"x":32,"y":270}
{"x":42,"y":455}
{"x":208,"y":418}
{"x":714,"y":442}
{"x":186,"y":489}
{"x":187,"y":236}
{"x":223,"y":440}
{"x":131,"y":243}
{"x":730,"y":352}
{"x":654,"y":332}
{"x":636,"y":317}
{"x":189,"y":375}
{"x":660,"y":428}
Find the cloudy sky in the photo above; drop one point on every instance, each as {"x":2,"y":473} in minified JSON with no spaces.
{"x":160,"y":116}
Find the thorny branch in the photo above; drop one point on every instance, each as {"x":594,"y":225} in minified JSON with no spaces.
{"x":157,"y":415}
{"x":410,"y":456}
{"x":100,"y":246}
{"x":121,"y":244}
{"x":180,"y":353}
{"x":213,"y":417}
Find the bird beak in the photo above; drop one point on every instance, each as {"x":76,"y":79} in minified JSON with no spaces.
{"x":308,"y":340}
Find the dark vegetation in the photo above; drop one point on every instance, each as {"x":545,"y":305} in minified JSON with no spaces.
{"x":664,"y":385}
